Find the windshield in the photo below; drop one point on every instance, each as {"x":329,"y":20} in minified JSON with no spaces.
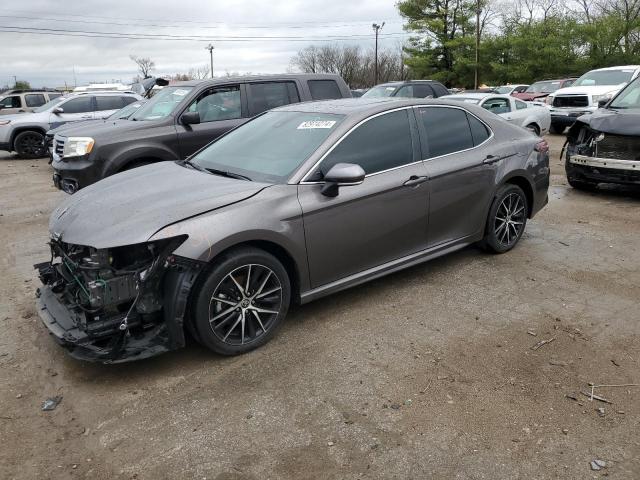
{"x":49,"y":104}
{"x":604,"y":77}
{"x":162,"y":104}
{"x":380,"y":91}
{"x":125,"y":112}
{"x":270,"y":147}
{"x":543,"y":87}
{"x":629,"y":97}
{"x":504,"y":90}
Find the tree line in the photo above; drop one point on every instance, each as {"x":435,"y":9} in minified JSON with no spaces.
{"x":520,"y":41}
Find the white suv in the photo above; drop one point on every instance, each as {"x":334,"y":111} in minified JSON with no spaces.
{"x":24,"y":133}
{"x":583,"y":97}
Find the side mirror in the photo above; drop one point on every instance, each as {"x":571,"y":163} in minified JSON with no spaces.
{"x":58,"y":110}
{"x":602,"y":103}
{"x":190,"y":118}
{"x":342,"y":174}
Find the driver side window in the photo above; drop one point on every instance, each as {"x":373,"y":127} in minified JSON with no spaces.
{"x":220,"y":103}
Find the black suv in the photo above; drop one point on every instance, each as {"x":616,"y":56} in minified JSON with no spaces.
{"x":409,"y":89}
{"x":179,"y":120}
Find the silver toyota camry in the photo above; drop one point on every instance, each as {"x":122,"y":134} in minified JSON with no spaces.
{"x":298,"y":203}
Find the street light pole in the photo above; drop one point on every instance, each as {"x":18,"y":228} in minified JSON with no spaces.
{"x":376,"y":28}
{"x":478,"y":11}
{"x":210,"y":47}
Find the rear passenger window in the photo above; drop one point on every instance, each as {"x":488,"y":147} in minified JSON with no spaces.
{"x":109,"y":103}
{"x":439,"y":89}
{"x":324,"y":89}
{"x":479,"y":130}
{"x":379,"y":144}
{"x":78,"y":105}
{"x":265,"y":96}
{"x":34,"y":99}
{"x":422,"y":91}
{"x":447,"y":130}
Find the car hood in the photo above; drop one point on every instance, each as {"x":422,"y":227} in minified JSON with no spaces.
{"x":61,"y":130}
{"x":618,"y":122}
{"x":530,"y":96}
{"x":26,"y":117}
{"x":129,"y":207}
{"x":588,"y":90}
{"x":108,"y":131}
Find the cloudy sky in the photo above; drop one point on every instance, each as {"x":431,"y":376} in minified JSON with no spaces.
{"x":248,"y":35}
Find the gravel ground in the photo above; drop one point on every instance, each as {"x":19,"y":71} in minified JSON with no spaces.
{"x":427,"y":373}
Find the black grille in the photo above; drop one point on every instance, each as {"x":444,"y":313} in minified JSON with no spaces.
{"x":571,"y":101}
{"x":59,"y":147}
{"x":619,"y":147}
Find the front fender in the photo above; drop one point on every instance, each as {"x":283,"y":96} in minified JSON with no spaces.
{"x":115,"y":159}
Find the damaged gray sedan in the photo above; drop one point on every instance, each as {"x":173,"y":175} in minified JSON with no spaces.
{"x":298,"y":203}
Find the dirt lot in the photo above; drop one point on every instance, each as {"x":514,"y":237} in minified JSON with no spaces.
{"x":428,"y":373}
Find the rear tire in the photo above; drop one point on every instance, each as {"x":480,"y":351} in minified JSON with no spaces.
{"x":242,"y":302}
{"x":533,"y":128}
{"x":557,"y":129}
{"x":507,"y":219}
{"x":29,"y":144}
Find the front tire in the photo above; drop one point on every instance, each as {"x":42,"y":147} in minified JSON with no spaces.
{"x":242,"y":301}
{"x":507,"y":219}
{"x":29,"y":144}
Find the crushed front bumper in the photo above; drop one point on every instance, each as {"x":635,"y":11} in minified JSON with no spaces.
{"x":67,"y":324}
{"x":605,"y":170}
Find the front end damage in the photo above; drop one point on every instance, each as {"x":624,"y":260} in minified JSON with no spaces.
{"x":608,"y":155}
{"x":118,"y":304}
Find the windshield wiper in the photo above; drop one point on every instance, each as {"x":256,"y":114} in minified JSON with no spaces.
{"x":227,"y":174}
{"x":194,"y":165}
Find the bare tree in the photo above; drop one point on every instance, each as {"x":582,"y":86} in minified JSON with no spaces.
{"x":199,"y":73}
{"x":145,"y":65}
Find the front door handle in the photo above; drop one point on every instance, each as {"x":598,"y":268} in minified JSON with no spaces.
{"x":489,"y":159}
{"x":415,"y":180}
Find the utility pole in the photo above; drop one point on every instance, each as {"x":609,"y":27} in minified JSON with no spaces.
{"x":15,"y":81}
{"x":376,"y":28}
{"x":210,"y":47}
{"x":478,"y":12}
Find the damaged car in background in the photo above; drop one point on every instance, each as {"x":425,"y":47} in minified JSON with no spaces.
{"x":297,"y":203}
{"x":604,"y":147}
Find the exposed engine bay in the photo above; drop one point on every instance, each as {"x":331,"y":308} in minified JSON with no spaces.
{"x":109,"y":304}
{"x":604,"y":147}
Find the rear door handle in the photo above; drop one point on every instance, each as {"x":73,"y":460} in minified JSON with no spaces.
{"x":489,"y":159}
{"x":415,"y":180}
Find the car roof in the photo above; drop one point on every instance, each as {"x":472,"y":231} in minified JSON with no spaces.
{"x":360,"y":106}
{"x":396,"y":83}
{"x":620,"y":67}
{"x":250,"y":78}
{"x":478,"y":95}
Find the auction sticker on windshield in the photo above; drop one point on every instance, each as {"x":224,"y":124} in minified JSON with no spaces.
{"x":180,"y":92}
{"x":316,"y":124}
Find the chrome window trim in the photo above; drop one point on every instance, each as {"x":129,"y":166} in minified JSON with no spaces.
{"x":468,"y":113}
{"x":361,"y":122}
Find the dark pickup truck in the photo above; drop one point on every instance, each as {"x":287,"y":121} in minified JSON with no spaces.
{"x":178,"y":121}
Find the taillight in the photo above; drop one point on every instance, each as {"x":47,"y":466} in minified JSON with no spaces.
{"x":542,"y":146}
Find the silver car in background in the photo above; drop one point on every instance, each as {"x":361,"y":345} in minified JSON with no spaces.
{"x":24,"y":133}
{"x":532,"y":116}
{"x":300,"y":202}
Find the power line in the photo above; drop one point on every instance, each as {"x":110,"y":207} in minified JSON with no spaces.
{"x":295,"y":23}
{"x":152,"y":36}
{"x":144,"y":36}
{"x":156,"y":25}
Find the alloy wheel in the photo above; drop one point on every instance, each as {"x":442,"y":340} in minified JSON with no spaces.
{"x":509,"y":219}
{"x":245,"y":304}
{"x":31,"y":145}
